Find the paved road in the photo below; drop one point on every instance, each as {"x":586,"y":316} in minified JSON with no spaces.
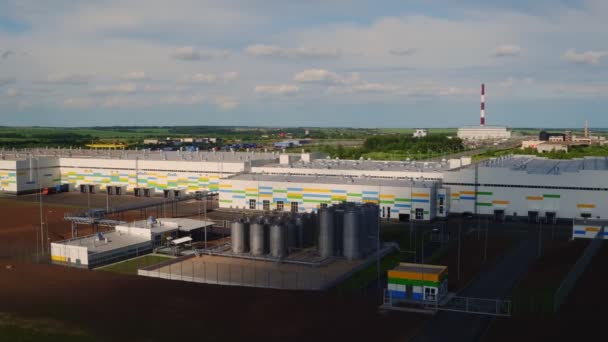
{"x":495,"y":283}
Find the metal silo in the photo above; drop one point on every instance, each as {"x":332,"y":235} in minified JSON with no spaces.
{"x":256,"y":238}
{"x":239,"y":237}
{"x":278,"y":240}
{"x":326,"y":232}
{"x":352,"y":233}
{"x":300,"y":231}
{"x":292,"y":235}
{"x":338,"y":228}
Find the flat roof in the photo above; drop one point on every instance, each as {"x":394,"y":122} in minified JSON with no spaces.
{"x":366,"y":165}
{"x":170,"y":224}
{"x":115,"y":240}
{"x":540,"y":165}
{"x":334,"y":180}
{"x":419,"y":268}
{"x":209,"y":156}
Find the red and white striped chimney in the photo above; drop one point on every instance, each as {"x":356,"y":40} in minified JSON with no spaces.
{"x":482,"y":119}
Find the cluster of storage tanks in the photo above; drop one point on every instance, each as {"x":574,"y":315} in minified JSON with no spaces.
{"x":345,"y":229}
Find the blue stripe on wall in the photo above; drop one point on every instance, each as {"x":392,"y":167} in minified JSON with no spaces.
{"x":420,"y":200}
{"x":467,"y":197}
{"x":295,"y":189}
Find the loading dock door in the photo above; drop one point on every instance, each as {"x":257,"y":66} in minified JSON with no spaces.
{"x":146,"y":192}
{"x":551,"y":216}
{"x":92,"y":188}
{"x":83,"y":188}
{"x":532,"y":216}
{"x":404,"y":217}
{"x":499,"y":215}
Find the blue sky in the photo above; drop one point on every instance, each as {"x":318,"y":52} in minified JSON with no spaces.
{"x":416,"y":63}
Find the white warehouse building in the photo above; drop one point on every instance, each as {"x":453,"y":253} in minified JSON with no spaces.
{"x":507,"y":186}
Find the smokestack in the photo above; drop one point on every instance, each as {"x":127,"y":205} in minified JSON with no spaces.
{"x":586,"y":129}
{"x":482,"y":119}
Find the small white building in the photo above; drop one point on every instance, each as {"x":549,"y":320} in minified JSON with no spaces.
{"x":484,"y":133}
{"x":420,"y":133}
{"x":589,"y":228}
{"x":124,"y":242}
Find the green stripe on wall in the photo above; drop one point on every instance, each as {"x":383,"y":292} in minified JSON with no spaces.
{"x":551,"y":196}
{"x":281,"y":191}
{"x":484,"y":193}
{"x":353,"y":195}
{"x":480,"y":204}
{"x":403,"y":200}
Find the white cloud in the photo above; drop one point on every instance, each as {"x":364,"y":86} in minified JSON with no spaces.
{"x":200,"y":78}
{"x":190,"y":53}
{"x":587,"y":57}
{"x":12,"y":92}
{"x":125,"y":88}
{"x":403,"y":52}
{"x":262,"y":50}
{"x":321,"y":76}
{"x":230,"y":76}
{"x":74,"y":79}
{"x":507,"y":50}
{"x":79,"y":103}
{"x":226,"y":103}
{"x":281,"y":89}
{"x":134,"y":76}
{"x":189,"y":100}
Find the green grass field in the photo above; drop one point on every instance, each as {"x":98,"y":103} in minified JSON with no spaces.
{"x":132,"y":265}
{"x":14,"y":328}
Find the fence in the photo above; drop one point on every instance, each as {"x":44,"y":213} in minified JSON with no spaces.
{"x":578,"y":269}
{"x":194,"y":269}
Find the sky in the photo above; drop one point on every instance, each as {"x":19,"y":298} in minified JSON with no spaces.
{"x":406,"y":63}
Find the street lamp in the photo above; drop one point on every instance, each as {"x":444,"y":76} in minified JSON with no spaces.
{"x":46,"y":220}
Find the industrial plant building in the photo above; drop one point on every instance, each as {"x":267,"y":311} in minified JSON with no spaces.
{"x":507,"y":186}
{"x":483,"y":132}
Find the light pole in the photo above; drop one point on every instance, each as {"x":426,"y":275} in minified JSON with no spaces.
{"x":46,"y":219}
{"x":39,"y":183}
{"x":459,"y":242}
{"x":540,"y":237}
{"x":485,"y":244}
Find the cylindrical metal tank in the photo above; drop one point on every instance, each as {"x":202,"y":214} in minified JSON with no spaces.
{"x":366,"y":227}
{"x":292,"y":235}
{"x":300,"y":231}
{"x":338,"y":228}
{"x":239,"y":237}
{"x":352,"y":233}
{"x":278,"y":240}
{"x":312,"y":229}
{"x":326,"y":232}
{"x":256,"y":238}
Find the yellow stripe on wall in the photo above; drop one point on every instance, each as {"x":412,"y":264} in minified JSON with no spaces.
{"x":585,"y":206}
{"x":419,"y":194}
{"x":534,"y":198}
{"x":592,"y":229}
{"x":500,"y":202}
{"x":316,"y":190}
{"x":387,"y":196}
{"x":467,"y":193}
{"x":59,"y":258}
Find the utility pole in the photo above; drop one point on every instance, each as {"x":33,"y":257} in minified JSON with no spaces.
{"x":458,"y":267}
{"x":540,"y":237}
{"x":40,"y":201}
